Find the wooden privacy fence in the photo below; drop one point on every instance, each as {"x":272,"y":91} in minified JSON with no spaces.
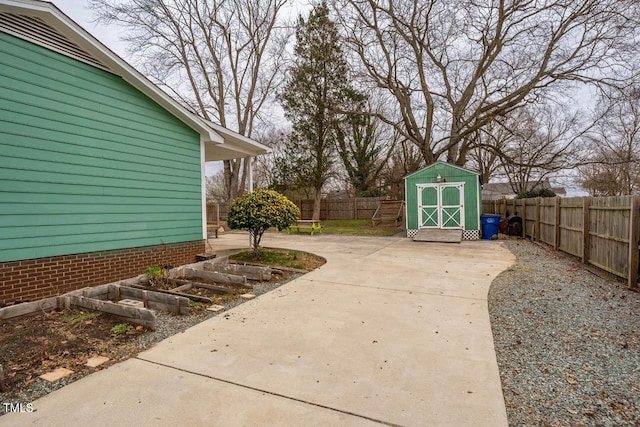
{"x":217,"y":212}
{"x":602,"y":231}
{"x":213,"y":213}
{"x":352,"y":208}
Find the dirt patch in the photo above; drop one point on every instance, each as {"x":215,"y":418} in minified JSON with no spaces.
{"x":40,"y":343}
{"x":34,"y":345}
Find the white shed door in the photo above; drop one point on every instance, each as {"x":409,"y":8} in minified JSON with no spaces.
{"x":441,"y":205}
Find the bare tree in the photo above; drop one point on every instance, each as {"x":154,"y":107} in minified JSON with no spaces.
{"x":216,"y":190}
{"x":601,"y":180}
{"x":404,"y":160}
{"x":264,"y":167}
{"x":222,"y":59}
{"x":614,"y":167}
{"x":453,"y":67}
{"x":540,"y":143}
{"x":484,"y":150}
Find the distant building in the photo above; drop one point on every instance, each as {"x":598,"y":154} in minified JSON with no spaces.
{"x":503,"y":190}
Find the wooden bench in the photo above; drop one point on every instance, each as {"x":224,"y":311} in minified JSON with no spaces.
{"x":306,"y":224}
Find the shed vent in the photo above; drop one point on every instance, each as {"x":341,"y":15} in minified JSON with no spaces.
{"x":39,"y":32}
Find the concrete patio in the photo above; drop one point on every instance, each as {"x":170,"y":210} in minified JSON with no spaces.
{"x":388,"y":332}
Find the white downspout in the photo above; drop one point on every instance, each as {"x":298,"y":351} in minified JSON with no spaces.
{"x":203,"y":180}
{"x":250,"y":160}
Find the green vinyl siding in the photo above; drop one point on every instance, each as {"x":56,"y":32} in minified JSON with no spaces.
{"x":452,"y":174}
{"x":87,"y":162}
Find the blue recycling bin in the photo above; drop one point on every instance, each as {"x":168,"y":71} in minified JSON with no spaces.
{"x":490,"y":225}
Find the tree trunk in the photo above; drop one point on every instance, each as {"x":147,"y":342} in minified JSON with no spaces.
{"x":486,"y":176}
{"x":235,"y":172}
{"x":246,"y":164}
{"x":463,"y":151}
{"x":454,"y":141}
{"x":317,"y":199}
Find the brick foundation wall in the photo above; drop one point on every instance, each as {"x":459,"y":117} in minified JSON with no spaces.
{"x":33,"y":279}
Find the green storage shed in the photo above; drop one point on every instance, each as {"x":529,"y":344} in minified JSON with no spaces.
{"x":443,"y":196}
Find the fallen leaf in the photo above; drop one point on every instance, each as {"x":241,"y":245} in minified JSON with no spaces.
{"x":570,"y":378}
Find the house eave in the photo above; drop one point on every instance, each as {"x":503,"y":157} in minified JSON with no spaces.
{"x":235,"y":145}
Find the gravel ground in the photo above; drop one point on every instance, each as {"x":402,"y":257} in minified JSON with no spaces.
{"x":166,"y":326}
{"x":567,"y":342}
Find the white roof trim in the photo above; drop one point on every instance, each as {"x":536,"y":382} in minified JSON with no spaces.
{"x":70,"y":30}
{"x":239,"y":142}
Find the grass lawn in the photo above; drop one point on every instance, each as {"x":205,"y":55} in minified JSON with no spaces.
{"x":357,"y":227}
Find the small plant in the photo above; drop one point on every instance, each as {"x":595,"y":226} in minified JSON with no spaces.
{"x":157,"y":275}
{"x":73,"y":318}
{"x":121,"y":328}
{"x":194,"y":304}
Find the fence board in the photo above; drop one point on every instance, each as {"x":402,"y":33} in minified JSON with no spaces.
{"x":529,"y":217}
{"x":570,"y":227}
{"x":213,"y":214}
{"x":609,"y":234}
{"x":547,"y":221}
{"x":634,"y":240}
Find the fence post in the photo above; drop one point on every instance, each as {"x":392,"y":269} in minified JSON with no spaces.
{"x":355,"y":208}
{"x":537,"y":222}
{"x":585,"y":230}
{"x":634,"y":239}
{"x":556,"y":236}
{"x":524,"y":218}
